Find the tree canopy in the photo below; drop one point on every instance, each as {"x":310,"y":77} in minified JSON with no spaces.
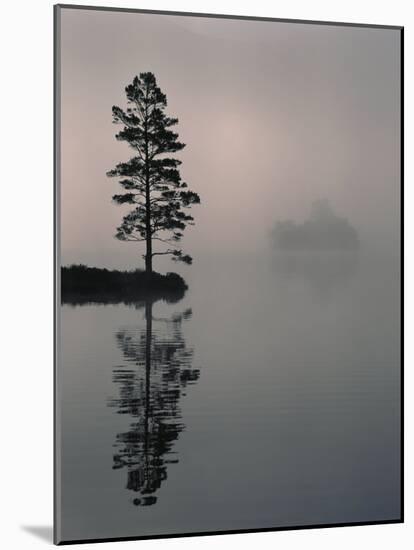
{"x":151,"y":179}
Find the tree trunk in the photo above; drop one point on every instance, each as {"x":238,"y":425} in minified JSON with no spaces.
{"x":148,"y":257}
{"x":148,"y":237}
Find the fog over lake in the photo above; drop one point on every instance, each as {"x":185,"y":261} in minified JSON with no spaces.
{"x":274,"y":115}
{"x":268,"y":395}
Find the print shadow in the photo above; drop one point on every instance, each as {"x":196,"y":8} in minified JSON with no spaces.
{"x":43,"y":532}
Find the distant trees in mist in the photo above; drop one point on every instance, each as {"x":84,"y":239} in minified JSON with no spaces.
{"x":323,"y":230}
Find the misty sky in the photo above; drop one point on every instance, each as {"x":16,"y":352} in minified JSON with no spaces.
{"x":274,"y":115}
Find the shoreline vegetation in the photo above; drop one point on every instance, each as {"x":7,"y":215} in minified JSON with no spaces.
{"x":81,"y":284}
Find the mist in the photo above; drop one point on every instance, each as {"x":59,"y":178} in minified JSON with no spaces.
{"x":274,"y":115}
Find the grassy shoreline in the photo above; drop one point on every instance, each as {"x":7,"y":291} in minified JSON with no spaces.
{"x":83,"y":284}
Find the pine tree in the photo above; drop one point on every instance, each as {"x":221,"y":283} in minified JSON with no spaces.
{"x":151,"y":179}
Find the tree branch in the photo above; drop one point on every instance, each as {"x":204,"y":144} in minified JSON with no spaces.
{"x":163,"y":253}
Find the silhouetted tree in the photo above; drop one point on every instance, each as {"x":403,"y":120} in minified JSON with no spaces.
{"x":151,"y":180}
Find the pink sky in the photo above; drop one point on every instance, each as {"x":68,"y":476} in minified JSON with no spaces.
{"x":274,"y":115}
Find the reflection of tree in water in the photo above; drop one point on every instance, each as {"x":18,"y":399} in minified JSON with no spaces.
{"x":150,"y":393}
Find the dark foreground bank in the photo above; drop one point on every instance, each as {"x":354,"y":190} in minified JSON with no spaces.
{"x":82,"y":284}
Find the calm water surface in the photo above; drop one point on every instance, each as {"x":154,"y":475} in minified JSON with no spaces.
{"x":267,"y":397}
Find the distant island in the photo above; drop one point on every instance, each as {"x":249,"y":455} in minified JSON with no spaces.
{"x":81,"y":284}
{"x":323,"y":231}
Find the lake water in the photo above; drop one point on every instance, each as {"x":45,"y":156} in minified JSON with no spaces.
{"x":269,"y":396}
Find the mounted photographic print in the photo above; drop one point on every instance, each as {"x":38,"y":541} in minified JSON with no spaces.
{"x":228,"y":274}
